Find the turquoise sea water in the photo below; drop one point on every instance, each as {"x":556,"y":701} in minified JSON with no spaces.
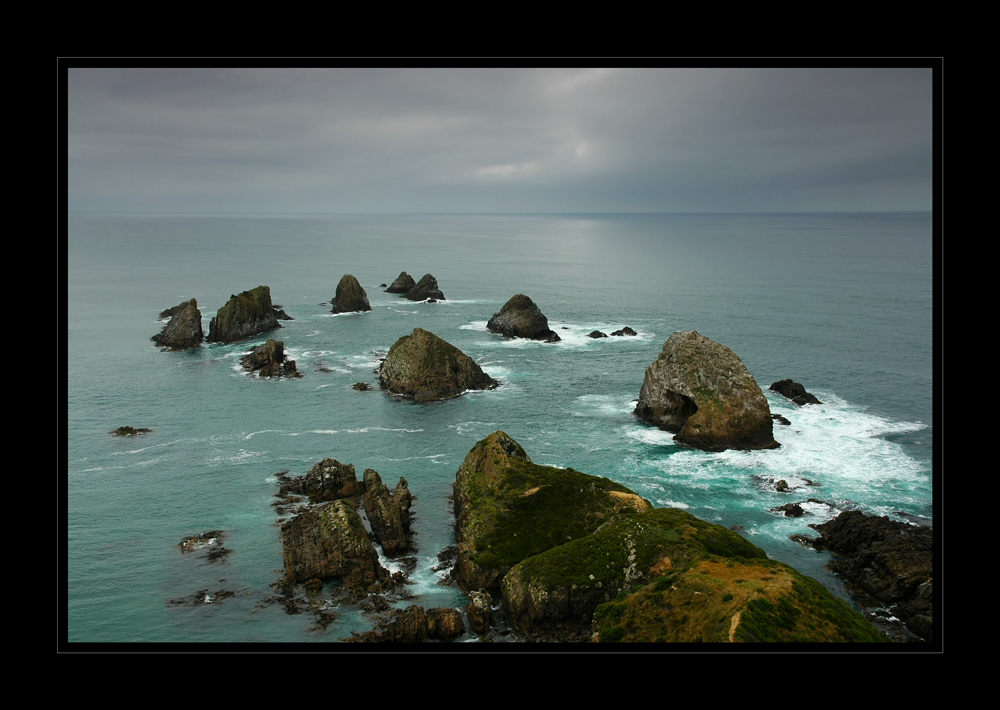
{"x":838,"y":302}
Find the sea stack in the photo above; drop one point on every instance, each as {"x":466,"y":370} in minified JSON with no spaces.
{"x":702,"y":391}
{"x":268,"y":360}
{"x":521,"y":318}
{"x":350,"y":296}
{"x":183,"y":331}
{"x":403,"y":283}
{"x":244,"y":316}
{"x":425,"y":367}
{"x":425,"y":288}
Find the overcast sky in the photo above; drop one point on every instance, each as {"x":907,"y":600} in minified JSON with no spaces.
{"x":499,"y":140}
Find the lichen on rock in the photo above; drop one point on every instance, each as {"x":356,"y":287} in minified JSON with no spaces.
{"x":702,"y":391}
{"x":244,"y":316}
{"x":425,"y":367}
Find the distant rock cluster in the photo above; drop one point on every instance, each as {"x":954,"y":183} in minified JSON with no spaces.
{"x":423,"y":290}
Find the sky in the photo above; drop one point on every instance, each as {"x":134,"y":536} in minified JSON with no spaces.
{"x":498,"y":140}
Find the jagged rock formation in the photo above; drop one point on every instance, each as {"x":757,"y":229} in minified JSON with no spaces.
{"x":702,"y":391}
{"x":794,"y":391}
{"x":624,"y":331}
{"x":388,"y":513}
{"x":521,"y":318}
{"x":268,"y":360}
{"x":183,"y":331}
{"x":886,"y":562}
{"x":570,"y":553}
{"x":350,"y":297}
{"x":244,"y":316}
{"x":327,"y":480}
{"x":425,"y":288}
{"x":414,"y":625}
{"x":330,"y":540}
{"x":403,"y":283}
{"x":425,"y":367}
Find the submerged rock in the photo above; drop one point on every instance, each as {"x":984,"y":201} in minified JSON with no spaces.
{"x":425,"y":288}
{"x":183,"y":331}
{"x":244,"y":316}
{"x":268,"y":360}
{"x":350,"y":297}
{"x":794,"y":391}
{"x":425,"y":367}
{"x":403,"y":283}
{"x":702,"y":391}
{"x":129,"y":431}
{"x":521,"y":318}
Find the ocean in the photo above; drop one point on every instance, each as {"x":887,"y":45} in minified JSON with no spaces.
{"x":841,"y":303}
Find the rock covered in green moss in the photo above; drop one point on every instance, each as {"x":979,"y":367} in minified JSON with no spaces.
{"x":350,"y":296}
{"x":581,"y":558}
{"x":244,"y":316}
{"x":702,"y":391}
{"x":425,"y":367}
{"x":183,"y":331}
{"x":521,"y":318}
{"x":508,"y":508}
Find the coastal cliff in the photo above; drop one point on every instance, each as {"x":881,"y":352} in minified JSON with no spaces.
{"x":576,"y":557}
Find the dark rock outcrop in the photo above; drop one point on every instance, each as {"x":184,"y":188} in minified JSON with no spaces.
{"x":886,"y":562}
{"x":425,"y":288}
{"x":521,"y":318}
{"x":350,"y":296}
{"x":414,"y":625}
{"x":403,"y":283}
{"x":702,"y":391}
{"x":361,"y":386}
{"x":794,"y":391}
{"x":624,"y":331}
{"x":129,"y":431}
{"x":597,"y":334}
{"x":244,"y":316}
{"x":268,"y":360}
{"x":570,"y":553}
{"x":327,"y":480}
{"x":183,"y":331}
{"x":330,"y":540}
{"x":388,"y":513}
{"x":425,"y":367}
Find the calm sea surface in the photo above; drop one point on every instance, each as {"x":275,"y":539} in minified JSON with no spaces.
{"x":838,"y":302}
